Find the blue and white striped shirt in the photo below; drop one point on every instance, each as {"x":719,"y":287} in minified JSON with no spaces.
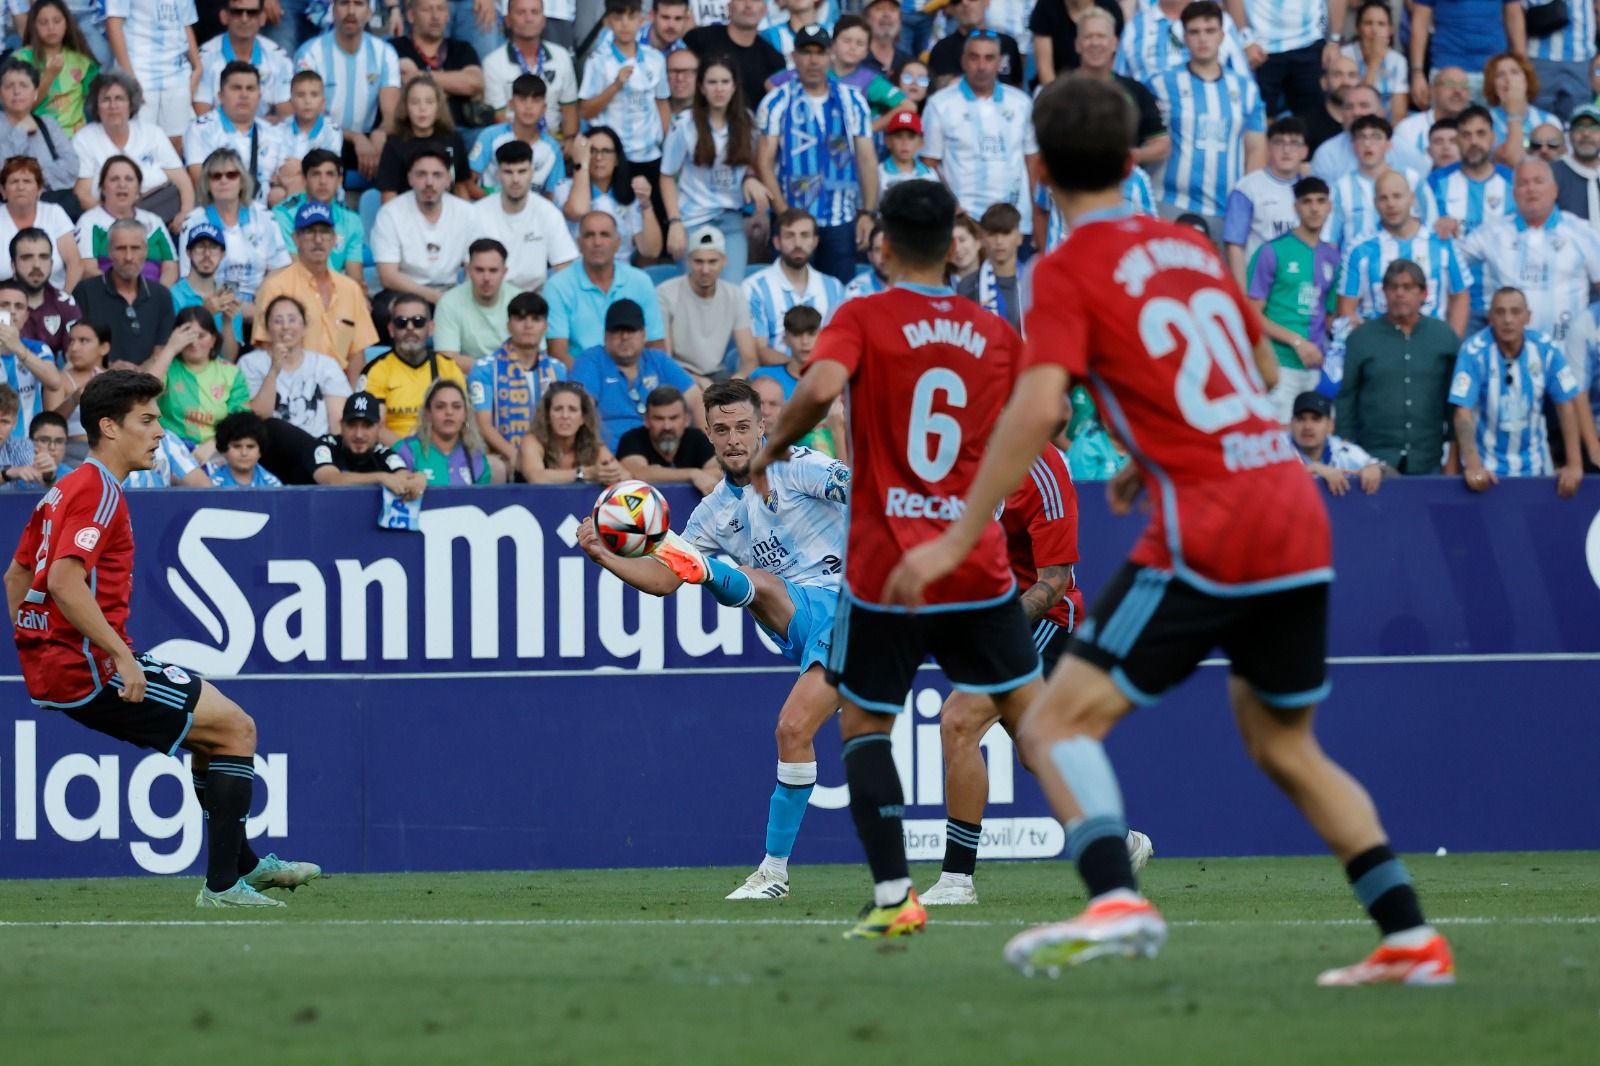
{"x":1355,"y":212}
{"x":1393,"y":77}
{"x":173,"y":463}
{"x":1284,"y":25}
{"x":817,"y":171}
{"x":1554,"y":265}
{"x":324,"y":133}
{"x":980,"y":145}
{"x":272,"y":62}
{"x":632,"y":112}
{"x":158,"y":47}
{"x":1535,"y":118}
{"x":1508,"y":398}
{"x":1136,"y":193}
{"x":703,"y":192}
{"x":1574,"y":42}
{"x":214,"y":130}
{"x":351,"y":82}
{"x":1208,"y":121}
{"x":28,"y":389}
{"x":771,"y":297}
{"x":1152,"y":44}
{"x":1452,"y":194}
{"x":1362,"y":273}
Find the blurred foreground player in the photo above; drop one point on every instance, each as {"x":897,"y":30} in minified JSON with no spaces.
{"x":68,"y":587}
{"x":1237,"y":554}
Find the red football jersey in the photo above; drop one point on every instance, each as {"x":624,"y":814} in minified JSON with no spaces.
{"x":1146,"y":311}
{"x":929,"y":373}
{"x":85,"y":517}
{"x":1041,"y":524}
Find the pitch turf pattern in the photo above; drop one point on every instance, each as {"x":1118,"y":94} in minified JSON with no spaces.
{"x":654,"y":967}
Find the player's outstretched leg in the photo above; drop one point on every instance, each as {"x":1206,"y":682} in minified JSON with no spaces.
{"x":877,"y":806}
{"x":1281,"y":742}
{"x":1059,"y":738}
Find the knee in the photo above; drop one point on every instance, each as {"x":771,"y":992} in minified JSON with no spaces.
{"x":960,"y":726}
{"x":241,"y":732}
{"x":791,"y":734}
{"x":1282,"y":756}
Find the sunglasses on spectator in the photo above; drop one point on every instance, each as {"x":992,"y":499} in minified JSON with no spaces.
{"x":133,"y":317}
{"x":225,"y":175}
{"x":919,"y":80}
{"x":411,"y":321}
{"x":245,"y":12}
{"x":1549,"y":146}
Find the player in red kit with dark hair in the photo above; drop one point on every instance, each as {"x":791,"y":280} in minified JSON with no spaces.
{"x":927,"y":374}
{"x":68,"y":587}
{"x":1237,"y":553}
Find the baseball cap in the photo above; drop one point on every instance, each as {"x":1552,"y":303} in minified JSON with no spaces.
{"x":904,"y":120}
{"x":361,"y":407}
{"x":1314,"y":402}
{"x":624,"y":314}
{"x":1588,"y":111}
{"x":812,"y":35}
{"x":204,"y":231}
{"x":708,"y":239}
{"x":313,"y":213}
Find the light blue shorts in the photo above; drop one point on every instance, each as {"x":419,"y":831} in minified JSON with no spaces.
{"x":810,"y":636}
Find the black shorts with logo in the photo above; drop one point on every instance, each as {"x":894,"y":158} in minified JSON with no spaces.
{"x":1150,"y":629}
{"x":876,"y":651}
{"x":161,"y":720}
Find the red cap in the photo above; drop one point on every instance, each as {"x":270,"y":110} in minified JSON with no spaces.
{"x":904,"y":120}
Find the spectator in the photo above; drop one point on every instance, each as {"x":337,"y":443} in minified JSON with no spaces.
{"x":1509,"y":83}
{"x":1402,"y":236}
{"x":53,"y":43}
{"x":1324,"y":123}
{"x":620,"y":373}
{"x":565,"y":446}
{"x":1336,"y":156}
{"x":706,"y":316}
{"x":1548,"y":142}
{"x":119,"y":183}
{"x":422,"y":118}
{"x":828,"y":437}
{"x":850,"y":42}
{"x":446,"y":446}
{"x":1396,"y":374}
{"x":201,"y":388}
{"x":1287,"y":43}
{"x":801,"y":325}
{"x":739,"y":40}
{"x":1583,"y":355}
{"x":683,"y":71}
{"x":1578,"y":175}
{"x":947,"y":60}
{"x":527,"y":126}
{"x":1328,"y":457}
{"x":1355,"y":218}
{"x":154,"y":43}
{"x":174,"y":465}
{"x":1217,"y":124}
{"x":980,"y":134}
{"x":1473,"y":194}
{"x":400,"y":377}
{"x":48,"y":434}
{"x":579,"y":298}
{"x":241,"y":41}
{"x":624,"y":89}
{"x":1412,"y":136}
{"x":529,"y":53}
{"x":875,"y":278}
{"x":252,"y":242}
{"x":1291,"y":281}
{"x":1454,"y":33}
{"x":361,"y":74}
{"x":355,"y":456}
{"x":234,"y":126}
{"x":1055,"y":25}
{"x":607,"y":183}
{"x":51,"y":312}
{"x":706,"y":178}
{"x":38,"y":137}
{"x":338,"y":322}
{"x":1561,"y":58}
{"x":324,"y":179}
{"x":311,"y":126}
{"x":787,"y":283}
{"x":780,"y":31}
{"x":115,"y":129}
{"x":903,"y":163}
{"x":452,"y":62}
{"x":239,"y":446}
{"x":530,"y":227}
{"x":669,"y":21}
{"x":994,"y":285}
{"x":506,"y":387}
{"x":27,"y":364}
{"x":1261,"y":207}
{"x":22,"y":181}
{"x":88,"y":345}
{"x":667,"y":449}
{"x":1155,"y":41}
{"x":306,"y":388}
{"x":884,"y":53}
{"x":916,"y":83}
{"x":19,"y":464}
{"x":421,"y":237}
{"x":202,"y":289}
{"x":1444,"y":145}
{"x":966,"y":250}
{"x":137,"y":311}
{"x":1381,"y":66}
{"x":1097,"y":53}
{"x":1502,"y":379}
{"x":470,"y":321}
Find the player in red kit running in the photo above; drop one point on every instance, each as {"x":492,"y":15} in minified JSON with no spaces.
{"x":927,"y":374}
{"x":1237,"y":553}
{"x":68,"y":588}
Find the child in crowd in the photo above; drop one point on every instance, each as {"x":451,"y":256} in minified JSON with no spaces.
{"x":238,"y":462}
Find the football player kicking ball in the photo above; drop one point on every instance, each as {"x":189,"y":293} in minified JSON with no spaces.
{"x":928,"y":373}
{"x":790,"y":546}
{"x":68,"y":587}
{"x":1237,"y":554}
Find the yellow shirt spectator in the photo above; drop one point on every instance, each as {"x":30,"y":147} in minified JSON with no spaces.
{"x":402,"y":386}
{"x":341,"y":327}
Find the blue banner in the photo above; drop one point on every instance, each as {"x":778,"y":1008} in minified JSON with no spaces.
{"x":479,"y":695}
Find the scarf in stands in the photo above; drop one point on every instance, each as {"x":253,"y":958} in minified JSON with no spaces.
{"x":817,"y":162}
{"x":989,"y":294}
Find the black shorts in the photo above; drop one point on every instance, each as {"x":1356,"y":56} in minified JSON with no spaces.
{"x":876,"y":652}
{"x":1052,"y":639}
{"x":1149,"y":630}
{"x":161,"y":720}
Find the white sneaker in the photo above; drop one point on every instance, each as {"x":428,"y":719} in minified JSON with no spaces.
{"x":1139,"y":850}
{"x":763,"y":884}
{"x":949,"y":893}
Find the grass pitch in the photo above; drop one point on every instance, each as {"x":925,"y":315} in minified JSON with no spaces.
{"x":653,"y":967}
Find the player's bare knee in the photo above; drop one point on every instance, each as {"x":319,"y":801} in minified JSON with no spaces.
{"x":793,"y":734}
{"x":961,"y":725}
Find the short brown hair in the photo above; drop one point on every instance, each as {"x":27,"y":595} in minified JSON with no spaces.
{"x":1000,"y":218}
{"x":801,"y":319}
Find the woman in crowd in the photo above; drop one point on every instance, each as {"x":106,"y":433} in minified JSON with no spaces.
{"x":565,"y":446}
{"x":601,"y":180}
{"x":55,"y":47}
{"x":114,"y":128}
{"x":423,"y":115}
{"x":447,"y":446}
{"x":914,"y":82}
{"x":252,"y":241}
{"x":88,"y":344}
{"x":39,"y":137}
{"x":1509,"y":88}
{"x":706,"y":174}
{"x":1383,"y":68}
{"x":305,"y":389}
{"x":120,"y":180}
{"x":202,"y":389}
{"x":22,"y":181}
{"x":966,"y":250}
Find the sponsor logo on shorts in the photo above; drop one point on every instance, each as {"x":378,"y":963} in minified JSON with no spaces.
{"x":87,"y":538}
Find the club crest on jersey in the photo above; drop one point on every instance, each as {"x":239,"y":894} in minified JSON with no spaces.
{"x":87,"y":538}
{"x":177,"y":675}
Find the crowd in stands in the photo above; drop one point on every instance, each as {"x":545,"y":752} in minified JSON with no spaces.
{"x":450,"y":243}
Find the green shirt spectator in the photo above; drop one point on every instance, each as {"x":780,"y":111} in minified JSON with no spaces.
{"x":198,"y":397}
{"x":1392,"y":401}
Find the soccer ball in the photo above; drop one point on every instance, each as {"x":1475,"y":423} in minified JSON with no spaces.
{"x":631,"y":517}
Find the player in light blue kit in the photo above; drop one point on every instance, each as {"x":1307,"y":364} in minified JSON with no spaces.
{"x":790,"y":551}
